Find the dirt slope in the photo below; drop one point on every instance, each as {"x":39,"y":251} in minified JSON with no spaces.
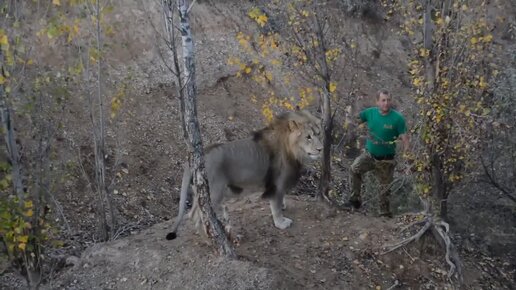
{"x":325,"y":249}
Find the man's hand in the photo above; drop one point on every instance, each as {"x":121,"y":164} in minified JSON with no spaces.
{"x":407,"y":161}
{"x":406,"y":143}
{"x":407,"y":170}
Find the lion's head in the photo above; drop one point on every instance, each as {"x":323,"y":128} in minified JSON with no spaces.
{"x":297,"y":134}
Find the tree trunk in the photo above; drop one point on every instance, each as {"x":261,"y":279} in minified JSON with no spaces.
{"x":327,"y":120}
{"x":438,"y":180}
{"x":107,"y":219}
{"x":31,"y":263}
{"x":428,"y":31}
{"x":324,"y":185}
{"x":439,"y":188}
{"x":212,"y":225}
{"x":10,"y":138}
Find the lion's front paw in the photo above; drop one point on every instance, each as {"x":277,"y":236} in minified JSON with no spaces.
{"x":282,"y":223}
{"x":228,"y":230}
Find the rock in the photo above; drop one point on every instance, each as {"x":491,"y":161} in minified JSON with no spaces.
{"x":72,"y":261}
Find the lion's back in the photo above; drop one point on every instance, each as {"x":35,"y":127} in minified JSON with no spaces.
{"x":241,"y":162}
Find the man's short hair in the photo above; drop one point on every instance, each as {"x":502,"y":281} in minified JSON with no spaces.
{"x":382,"y":92}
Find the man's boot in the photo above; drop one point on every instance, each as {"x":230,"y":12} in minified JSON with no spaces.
{"x":385,"y":210}
{"x":355,"y":203}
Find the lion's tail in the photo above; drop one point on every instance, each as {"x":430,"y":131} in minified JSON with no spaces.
{"x":185,"y":184}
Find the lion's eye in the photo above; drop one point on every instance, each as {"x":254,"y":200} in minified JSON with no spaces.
{"x":309,"y":137}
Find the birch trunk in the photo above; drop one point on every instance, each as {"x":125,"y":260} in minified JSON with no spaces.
{"x":212,"y":225}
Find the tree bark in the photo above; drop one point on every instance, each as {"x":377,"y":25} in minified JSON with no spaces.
{"x":212,"y":225}
{"x":10,"y":138}
{"x":324,"y":184}
{"x":30,"y":263}
{"x":327,"y":120}
{"x":428,"y":31}
{"x":432,"y":63}
{"x":439,"y":188}
{"x":107,"y":219}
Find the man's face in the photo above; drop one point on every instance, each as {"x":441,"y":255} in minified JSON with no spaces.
{"x":384,"y":103}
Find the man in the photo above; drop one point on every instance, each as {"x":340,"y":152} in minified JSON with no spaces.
{"x":386,"y":126}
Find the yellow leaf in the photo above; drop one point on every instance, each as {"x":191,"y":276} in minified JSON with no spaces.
{"x":22,"y":246}
{"x":23,"y":239}
{"x":333,"y":87}
{"x":482,"y":84}
{"x":28,"y":204}
{"x":56,"y":2}
{"x":4,"y":41}
{"x":247,"y":70}
{"x":487,"y":38}
{"x":288,"y":105}
{"x":423,"y":52}
{"x":2,"y":80}
{"x":268,"y":76}
{"x":262,"y":20}
{"x":474,"y":40}
{"x":29,"y":213}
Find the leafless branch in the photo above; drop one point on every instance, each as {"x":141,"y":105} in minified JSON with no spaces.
{"x":492,"y":180}
{"x":191,"y":6}
{"x":396,"y":284}
{"x":60,"y":211}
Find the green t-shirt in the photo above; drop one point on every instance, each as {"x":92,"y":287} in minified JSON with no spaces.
{"x":383,"y":130}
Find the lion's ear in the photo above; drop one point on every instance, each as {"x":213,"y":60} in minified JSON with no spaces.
{"x":293,"y":125}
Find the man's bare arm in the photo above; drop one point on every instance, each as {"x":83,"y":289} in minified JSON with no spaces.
{"x":405,"y":141}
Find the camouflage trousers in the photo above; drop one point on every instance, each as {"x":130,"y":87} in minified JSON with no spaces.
{"x":384,"y":171}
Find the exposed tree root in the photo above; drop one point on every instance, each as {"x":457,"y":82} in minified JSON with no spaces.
{"x":440,"y":231}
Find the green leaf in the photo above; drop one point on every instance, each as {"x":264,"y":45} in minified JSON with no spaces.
{"x":52,"y":31}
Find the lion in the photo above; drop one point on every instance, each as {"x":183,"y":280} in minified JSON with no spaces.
{"x":270,"y":160}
